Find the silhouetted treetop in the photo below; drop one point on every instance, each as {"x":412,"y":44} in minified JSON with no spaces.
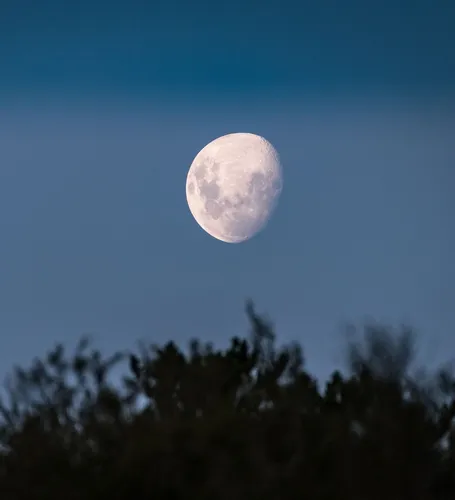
{"x":247,"y":421}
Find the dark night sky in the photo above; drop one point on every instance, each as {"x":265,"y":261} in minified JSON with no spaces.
{"x":103,"y":106}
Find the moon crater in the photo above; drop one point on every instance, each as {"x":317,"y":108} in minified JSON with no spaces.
{"x":233,"y":186}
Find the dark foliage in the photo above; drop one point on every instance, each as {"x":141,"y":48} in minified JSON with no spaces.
{"x":248,"y":422}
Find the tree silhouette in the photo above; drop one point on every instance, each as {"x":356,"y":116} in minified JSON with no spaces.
{"x":248,"y":421}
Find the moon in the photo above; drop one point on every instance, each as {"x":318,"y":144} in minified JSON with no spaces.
{"x":233,"y":186}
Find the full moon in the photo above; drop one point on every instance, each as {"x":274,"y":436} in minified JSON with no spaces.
{"x":233,"y":186}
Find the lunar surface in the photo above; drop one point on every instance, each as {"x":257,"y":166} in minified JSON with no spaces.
{"x":233,"y":186}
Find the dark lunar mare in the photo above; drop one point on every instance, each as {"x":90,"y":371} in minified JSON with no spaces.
{"x":210,"y":190}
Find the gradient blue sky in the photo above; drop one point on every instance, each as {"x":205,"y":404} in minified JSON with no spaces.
{"x":103,"y":106}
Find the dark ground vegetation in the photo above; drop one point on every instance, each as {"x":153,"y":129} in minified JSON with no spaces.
{"x":248,"y":422}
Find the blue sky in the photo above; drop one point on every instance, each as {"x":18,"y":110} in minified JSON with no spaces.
{"x":102,"y":112}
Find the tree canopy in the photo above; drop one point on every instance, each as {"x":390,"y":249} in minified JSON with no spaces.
{"x":245,"y":422}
